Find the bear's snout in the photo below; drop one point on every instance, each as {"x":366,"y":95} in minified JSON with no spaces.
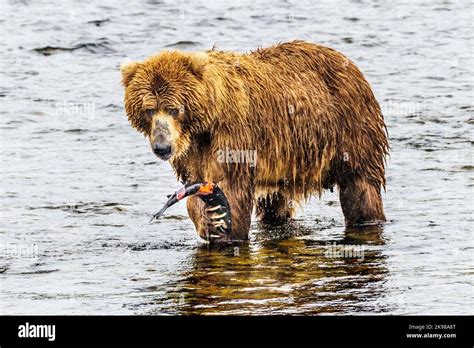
{"x":160,"y":140}
{"x":163,"y":151}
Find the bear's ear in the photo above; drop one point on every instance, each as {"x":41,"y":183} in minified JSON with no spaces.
{"x":128,"y":71}
{"x":197,"y":63}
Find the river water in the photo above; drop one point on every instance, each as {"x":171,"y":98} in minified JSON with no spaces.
{"x":78,"y":184}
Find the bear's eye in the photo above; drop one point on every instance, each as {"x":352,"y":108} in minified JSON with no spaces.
{"x":174,"y":112}
{"x":150,"y":112}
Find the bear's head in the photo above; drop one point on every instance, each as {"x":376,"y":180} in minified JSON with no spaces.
{"x":168,"y":99}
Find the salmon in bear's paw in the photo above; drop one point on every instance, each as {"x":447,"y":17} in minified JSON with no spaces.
{"x":271,"y":127}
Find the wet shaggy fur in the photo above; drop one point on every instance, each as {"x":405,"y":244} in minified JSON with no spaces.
{"x":306,"y":109}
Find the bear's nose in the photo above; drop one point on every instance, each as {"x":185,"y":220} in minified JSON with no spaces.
{"x":162,"y":150}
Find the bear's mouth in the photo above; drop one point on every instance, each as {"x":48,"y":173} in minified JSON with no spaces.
{"x":165,"y":157}
{"x":163,"y":152}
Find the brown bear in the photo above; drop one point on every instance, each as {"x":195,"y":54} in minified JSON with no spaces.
{"x":303,"y":112}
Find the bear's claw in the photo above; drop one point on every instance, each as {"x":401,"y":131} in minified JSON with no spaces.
{"x":213,"y":208}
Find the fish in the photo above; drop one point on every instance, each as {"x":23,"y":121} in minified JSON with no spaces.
{"x":210,"y":194}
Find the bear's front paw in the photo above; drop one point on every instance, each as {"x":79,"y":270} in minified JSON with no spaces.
{"x":209,"y":220}
{"x":216,"y":224}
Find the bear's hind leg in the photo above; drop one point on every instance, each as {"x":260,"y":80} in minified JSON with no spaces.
{"x":361,"y":201}
{"x":274,"y":209}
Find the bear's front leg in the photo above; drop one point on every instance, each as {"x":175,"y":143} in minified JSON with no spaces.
{"x":241,"y":205}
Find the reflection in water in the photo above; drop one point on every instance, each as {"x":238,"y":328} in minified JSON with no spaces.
{"x":295,"y":274}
